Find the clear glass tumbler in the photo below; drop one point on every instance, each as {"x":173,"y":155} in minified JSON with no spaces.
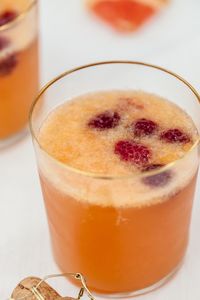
{"x":19,"y":78}
{"x":120,"y":249}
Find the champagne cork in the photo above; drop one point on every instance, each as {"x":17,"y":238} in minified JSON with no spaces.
{"x":33,"y":288}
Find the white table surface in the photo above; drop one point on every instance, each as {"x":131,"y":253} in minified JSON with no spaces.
{"x":71,"y":37}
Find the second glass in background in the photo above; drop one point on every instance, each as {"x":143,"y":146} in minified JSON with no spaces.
{"x":19,"y":74}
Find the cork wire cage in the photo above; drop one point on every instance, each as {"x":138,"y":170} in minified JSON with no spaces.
{"x":33,"y":288}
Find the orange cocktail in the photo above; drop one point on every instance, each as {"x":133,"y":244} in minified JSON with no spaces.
{"x":116,"y":190}
{"x":18,"y":64}
{"x":119,"y":250}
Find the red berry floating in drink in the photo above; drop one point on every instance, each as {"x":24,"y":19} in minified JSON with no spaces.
{"x":7,"y":16}
{"x":144,"y":127}
{"x":132,"y":152}
{"x":8,"y":64}
{"x":4,"y":42}
{"x":158,"y":180}
{"x":9,"y":61}
{"x":105,"y":120}
{"x":175,"y":136}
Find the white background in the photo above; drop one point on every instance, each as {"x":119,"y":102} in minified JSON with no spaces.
{"x":70,"y":37}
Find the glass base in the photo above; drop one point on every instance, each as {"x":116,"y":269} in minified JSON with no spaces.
{"x":13,"y":139}
{"x":144,"y":291}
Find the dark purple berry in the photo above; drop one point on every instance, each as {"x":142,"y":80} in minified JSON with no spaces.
{"x":157,"y":180}
{"x":175,"y":136}
{"x":143,"y":127}
{"x":105,"y":120}
{"x":4,"y":42}
{"x":7,"y":16}
{"x":8,"y":64}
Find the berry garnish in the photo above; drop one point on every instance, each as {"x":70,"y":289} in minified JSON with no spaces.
{"x":7,"y":16}
{"x":105,"y":120}
{"x":133,"y":152}
{"x":8,"y":64}
{"x":4,"y":42}
{"x":157,"y":180}
{"x":175,"y":136}
{"x":144,"y":127}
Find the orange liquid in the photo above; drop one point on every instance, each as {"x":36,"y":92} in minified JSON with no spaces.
{"x":123,"y":234}
{"x":119,"y":249}
{"x":17,"y":91}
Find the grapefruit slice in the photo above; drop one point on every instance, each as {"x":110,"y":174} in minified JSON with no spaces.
{"x":125,"y":15}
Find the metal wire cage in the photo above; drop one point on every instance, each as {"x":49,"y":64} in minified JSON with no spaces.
{"x":37,"y":289}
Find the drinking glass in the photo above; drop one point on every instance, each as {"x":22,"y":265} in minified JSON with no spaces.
{"x":126,"y":237}
{"x":19,"y":78}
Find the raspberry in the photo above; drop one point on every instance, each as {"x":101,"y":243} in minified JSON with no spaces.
{"x":157,"y":180}
{"x":105,"y":120}
{"x":144,"y":127}
{"x":8,"y":64}
{"x":7,"y":16}
{"x":133,"y":152}
{"x":4,"y":42}
{"x":175,"y":136}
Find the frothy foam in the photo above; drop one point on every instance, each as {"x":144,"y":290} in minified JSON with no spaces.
{"x":66,"y":136}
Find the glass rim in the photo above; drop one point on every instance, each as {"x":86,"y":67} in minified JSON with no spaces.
{"x":19,"y":17}
{"x":97,"y":175}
